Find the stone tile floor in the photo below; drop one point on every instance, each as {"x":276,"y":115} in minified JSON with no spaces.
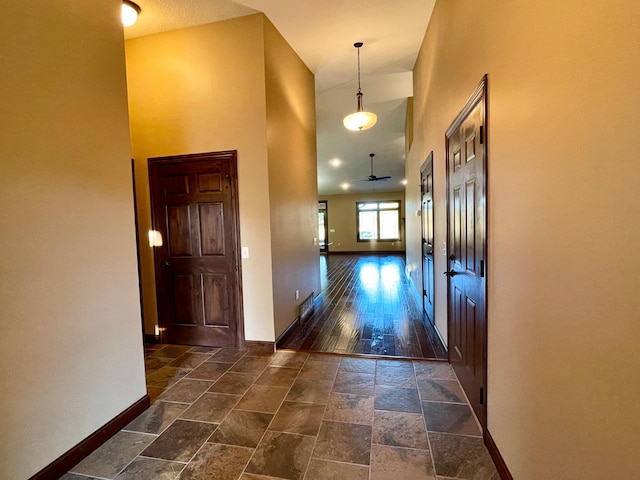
{"x":257,"y":415}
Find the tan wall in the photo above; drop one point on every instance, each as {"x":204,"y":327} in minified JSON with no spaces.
{"x":291,"y":123}
{"x":408,"y":126}
{"x":201,"y":89}
{"x":70,"y":350}
{"x":563,"y":308}
{"x":341,"y":214}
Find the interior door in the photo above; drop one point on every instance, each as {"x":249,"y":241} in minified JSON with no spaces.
{"x":466,"y":220}
{"x":323,"y":226}
{"x":426,"y":188}
{"x":194,"y":206}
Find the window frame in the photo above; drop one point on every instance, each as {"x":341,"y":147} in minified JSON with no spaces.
{"x":378,"y":210}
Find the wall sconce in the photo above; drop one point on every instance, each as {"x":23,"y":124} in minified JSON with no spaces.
{"x":155,"y":238}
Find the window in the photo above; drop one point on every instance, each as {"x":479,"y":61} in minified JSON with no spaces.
{"x":378,"y":221}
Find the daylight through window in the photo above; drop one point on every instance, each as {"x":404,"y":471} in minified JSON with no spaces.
{"x":378,"y":221}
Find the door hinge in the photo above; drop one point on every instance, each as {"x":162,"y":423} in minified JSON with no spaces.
{"x":481,"y":268}
{"x":424,"y":292}
{"x":481,"y":396}
{"x":481,"y":134}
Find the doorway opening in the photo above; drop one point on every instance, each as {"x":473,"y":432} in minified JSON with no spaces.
{"x":194,"y":206}
{"x":466,"y":151}
{"x":428,"y":276}
{"x":323,"y":226}
{"x":367,"y":307}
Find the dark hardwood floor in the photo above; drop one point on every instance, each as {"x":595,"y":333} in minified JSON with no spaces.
{"x":366,"y":307}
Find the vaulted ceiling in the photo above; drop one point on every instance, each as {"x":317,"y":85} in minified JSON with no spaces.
{"x":323,"y":32}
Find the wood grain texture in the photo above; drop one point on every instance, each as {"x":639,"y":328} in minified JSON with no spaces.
{"x":467,"y":241}
{"x":198,"y":277}
{"x":366,"y":307}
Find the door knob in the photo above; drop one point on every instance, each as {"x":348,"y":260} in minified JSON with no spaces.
{"x":451,"y":273}
{"x":166,"y":265}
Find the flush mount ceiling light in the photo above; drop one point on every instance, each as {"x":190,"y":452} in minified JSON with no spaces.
{"x":360,"y":120}
{"x":130,"y":12}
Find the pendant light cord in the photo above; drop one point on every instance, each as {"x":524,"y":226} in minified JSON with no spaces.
{"x":359,"y":89}
{"x":359,"y":94}
{"x":360,"y":120}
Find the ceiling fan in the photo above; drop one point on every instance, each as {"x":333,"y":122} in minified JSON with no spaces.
{"x":372,"y":177}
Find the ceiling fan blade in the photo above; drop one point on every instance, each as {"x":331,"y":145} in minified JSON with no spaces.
{"x":372,"y":177}
{"x":359,"y":180}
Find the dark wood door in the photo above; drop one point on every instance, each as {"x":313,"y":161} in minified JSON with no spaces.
{"x":426,"y":188}
{"x":466,"y":220}
{"x":194,"y":206}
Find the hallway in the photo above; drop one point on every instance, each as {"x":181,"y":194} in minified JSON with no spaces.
{"x":366,"y":307}
{"x":226,"y":414}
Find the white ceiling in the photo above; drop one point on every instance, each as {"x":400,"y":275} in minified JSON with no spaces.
{"x":323,"y":32}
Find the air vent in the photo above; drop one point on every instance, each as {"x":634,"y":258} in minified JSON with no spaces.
{"x":306,"y":309}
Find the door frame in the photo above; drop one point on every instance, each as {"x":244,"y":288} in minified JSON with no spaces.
{"x":479,"y":95}
{"x":326,"y":225}
{"x":138,"y":257}
{"x":428,"y":161}
{"x":232,"y":157}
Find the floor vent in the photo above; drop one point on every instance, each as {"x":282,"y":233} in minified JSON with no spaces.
{"x":306,"y":309}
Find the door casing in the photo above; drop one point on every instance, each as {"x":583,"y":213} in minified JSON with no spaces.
{"x":428,"y":247}
{"x":479,"y":96}
{"x":325,"y":248}
{"x":236,"y":293}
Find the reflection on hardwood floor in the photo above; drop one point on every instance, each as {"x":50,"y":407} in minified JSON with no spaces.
{"x":366,"y":307}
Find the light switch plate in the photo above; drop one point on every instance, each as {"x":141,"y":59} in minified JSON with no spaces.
{"x":245,"y":252}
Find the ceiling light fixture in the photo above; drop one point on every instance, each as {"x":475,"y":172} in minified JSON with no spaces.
{"x":130,"y":12}
{"x":360,"y":120}
{"x":335,"y":162}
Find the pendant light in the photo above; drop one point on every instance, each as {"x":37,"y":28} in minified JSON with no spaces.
{"x":130,"y":12}
{"x":360,"y":120}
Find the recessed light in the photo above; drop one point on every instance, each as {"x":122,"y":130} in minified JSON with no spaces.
{"x":404,"y":182}
{"x":345,"y":186}
{"x":335,"y":162}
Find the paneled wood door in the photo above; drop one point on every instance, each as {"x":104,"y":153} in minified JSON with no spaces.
{"x":195,"y":208}
{"x":426,"y":189}
{"x":466,"y":245}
